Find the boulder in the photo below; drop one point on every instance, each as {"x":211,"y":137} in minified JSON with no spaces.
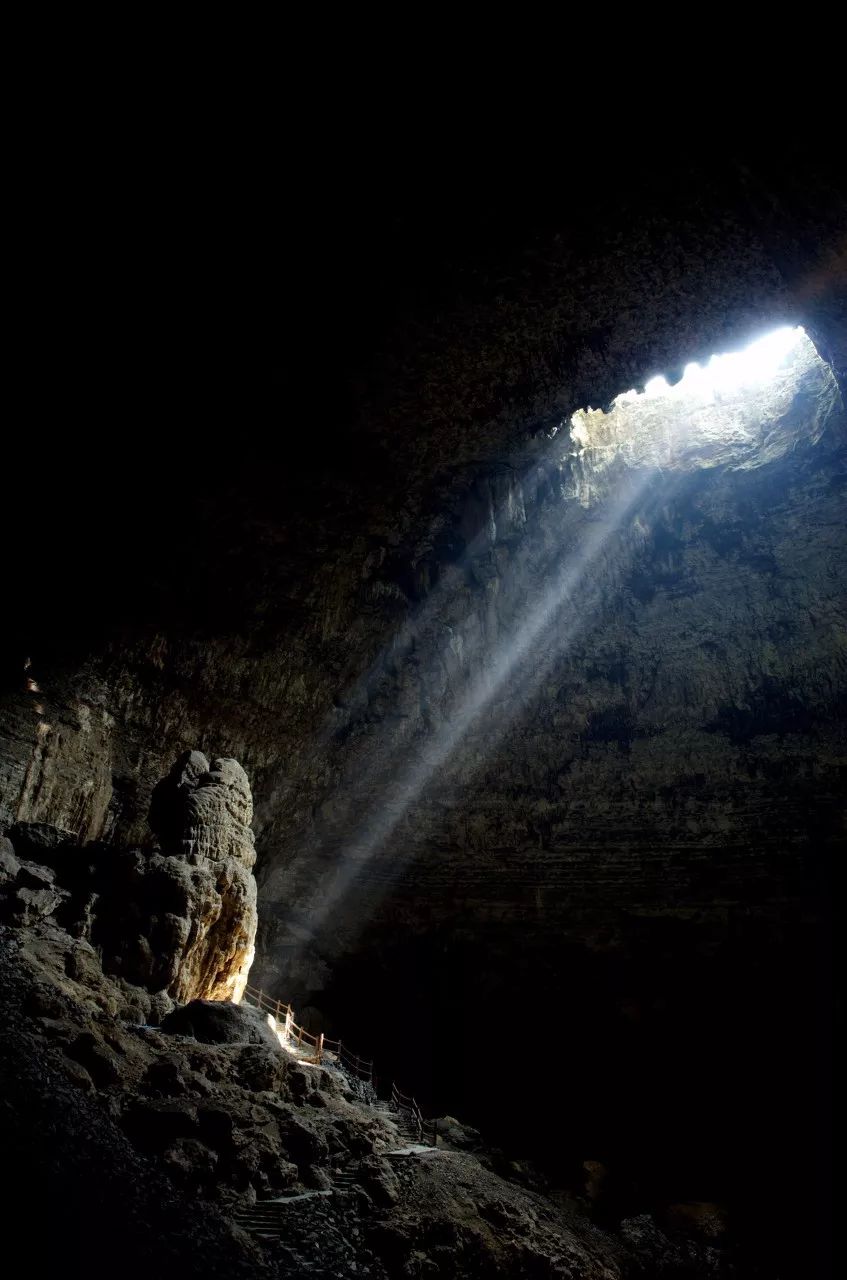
{"x":99,"y":1061}
{"x":219,"y":1022}
{"x":459,"y":1136}
{"x":261,"y":1068}
{"x":379,"y":1181}
{"x":39,"y":840}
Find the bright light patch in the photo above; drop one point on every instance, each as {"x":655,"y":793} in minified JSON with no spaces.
{"x":730,"y":373}
{"x":734,"y":409}
{"x":657,"y":387}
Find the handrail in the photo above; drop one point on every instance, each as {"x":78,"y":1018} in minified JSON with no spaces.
{"x":426,"y":1128}
{"x":283,"y":1015}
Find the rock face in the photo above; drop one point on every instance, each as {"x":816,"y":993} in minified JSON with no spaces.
{"x":178,"y":920}
{"x":202,"y":816}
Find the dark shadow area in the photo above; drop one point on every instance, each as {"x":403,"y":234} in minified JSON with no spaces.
{"x":689,"y":1057}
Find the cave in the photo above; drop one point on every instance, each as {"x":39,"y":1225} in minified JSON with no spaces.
{"x":488,"y":556}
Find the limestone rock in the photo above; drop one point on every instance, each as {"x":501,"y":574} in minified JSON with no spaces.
{"x":179,"y":922}
{"x":202,"y":817}
{"x":204,"y":812}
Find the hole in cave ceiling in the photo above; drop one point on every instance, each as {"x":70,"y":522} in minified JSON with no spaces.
{"x":741,"y":409}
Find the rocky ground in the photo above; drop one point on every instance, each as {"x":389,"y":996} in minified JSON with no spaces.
{"x":145,"y":1136}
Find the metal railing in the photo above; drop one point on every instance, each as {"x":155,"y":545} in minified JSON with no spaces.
{"x":283,"y":1014}
{"x":405,"y":1105}
{"x":337,"y":1054}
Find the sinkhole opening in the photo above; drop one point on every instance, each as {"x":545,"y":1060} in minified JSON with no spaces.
{"x":741,"y":408}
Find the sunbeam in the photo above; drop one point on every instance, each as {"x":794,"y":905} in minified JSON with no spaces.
{"x":735,"y":412}
{"x":572,"y":586}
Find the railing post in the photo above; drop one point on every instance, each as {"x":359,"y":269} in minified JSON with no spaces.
{"x":320,"y":1047}
{"x":288,"y":1023}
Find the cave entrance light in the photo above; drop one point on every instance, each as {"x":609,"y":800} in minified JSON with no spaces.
{"x":733,"y":410}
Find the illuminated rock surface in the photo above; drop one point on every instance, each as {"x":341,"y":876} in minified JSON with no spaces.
{"x":202,"y":816}
{"x":180,"y":920}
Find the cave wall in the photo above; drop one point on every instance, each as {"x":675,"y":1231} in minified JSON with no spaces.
{"x":654,"y":789}
{"x":230,"y":595}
